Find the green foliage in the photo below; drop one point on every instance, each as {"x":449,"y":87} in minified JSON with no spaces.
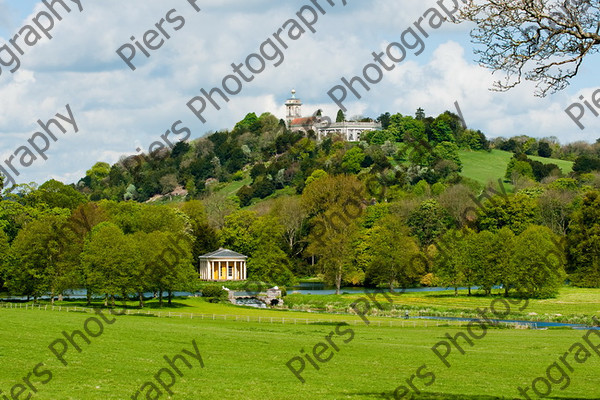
{"x":392,"y":254}
{"x":586,"y":163}
{"x":451,"y":263}
{"x":5,"y":257}
{"x":538,"y":263}
{"x":245,"y":194}
{"x":130,"y":193}
{"x":44,"y":256}
{"x":448,"y":151}
{"x":108,"y":259}
{"x":428,"y":221}
{"x":341,"y":117}
{"x":520,"y":168}
{"x":438,"y":188}
{"x":584,"y":243}
{"x":99,"y":171}
{"x":250,"y":123}
{"x":214,"y":292}
{"x":516,"y":212}
{"x":380,"y":137}
{"x":54,"y":194}
{"x":473,"y":140}
{"x":544,"y":150}
{"x":421,"y":188}
{"x":352,"y":160}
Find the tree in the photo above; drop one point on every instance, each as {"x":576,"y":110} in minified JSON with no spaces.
{"x":109,"y":257}
{"x":340,"y":116}
{"x":384,"y":120}
{"x":457,"y":201}
{"x":351,"y":163}
{"x":556,"y":209}
{"x":503,"y":250}
{"x":451,"y":263}
{"x":168,"y":183}
{"x":130,"y":193}
{"x":166,"y":263}
{"x":420,"y":114}
{"x":292,"y":218}
{"x":45,"y":256}
{"x":97,"y":173}
{"x":333,"y":244}
{"x":81,"y":222}
{"x":245,"y":194}
{"x":583,"y":243}
{"x":217,"y":207}
{"x":483,"y":261}
{"x":392,"y":254}
{"x":4,"y":257}
{"x":536,"y":40}
{"x":343,"y":190}
{"x":544,"y":150}
{"x":205,"y":237}
{"x":538,"y":263}
{"x":586,"y":163}
{"x":250,"y":123}
{"x":516,"y":212}
{"x":429,"y":221}
{"x":259,"y":238}
{"x":55,"y":194}
{"x":448,"y":151}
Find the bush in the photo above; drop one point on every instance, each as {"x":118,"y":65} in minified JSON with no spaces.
{"x":214,"y":292}
{"x":238,"y":176}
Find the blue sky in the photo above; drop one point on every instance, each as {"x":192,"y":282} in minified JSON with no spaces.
{"x":118,"y":110}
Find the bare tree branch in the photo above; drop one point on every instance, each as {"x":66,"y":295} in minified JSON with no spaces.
{"x":536,"y":40}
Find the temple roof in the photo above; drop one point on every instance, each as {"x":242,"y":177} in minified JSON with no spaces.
{"x":223,"y":253}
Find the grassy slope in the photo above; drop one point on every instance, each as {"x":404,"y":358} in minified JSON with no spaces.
{"x":485,"y":167}
{"x":247,"y":360}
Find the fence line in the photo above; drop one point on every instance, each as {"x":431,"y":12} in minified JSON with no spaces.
{"x":259,"y":319}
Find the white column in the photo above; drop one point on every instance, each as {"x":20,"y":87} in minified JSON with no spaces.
{"x":244,"y":276}
{"x":219,"y":269}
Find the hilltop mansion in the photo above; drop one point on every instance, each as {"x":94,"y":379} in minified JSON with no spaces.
{"x":350,"y":131}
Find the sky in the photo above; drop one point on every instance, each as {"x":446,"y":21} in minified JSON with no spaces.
{"x":118,"y":110}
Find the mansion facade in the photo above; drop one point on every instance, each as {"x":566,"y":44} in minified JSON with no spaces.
{"x":350,"y":131}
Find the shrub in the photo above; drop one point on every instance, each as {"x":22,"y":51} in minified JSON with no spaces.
{"x":214,"y":292}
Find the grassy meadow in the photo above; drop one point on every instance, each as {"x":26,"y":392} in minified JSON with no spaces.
{"x":247,"y":360}
{"x":484,"y":167}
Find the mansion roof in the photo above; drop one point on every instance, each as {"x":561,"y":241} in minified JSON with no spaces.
{"x":303,"y":121}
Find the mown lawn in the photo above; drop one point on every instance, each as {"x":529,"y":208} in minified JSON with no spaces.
{"x":247,"y":360}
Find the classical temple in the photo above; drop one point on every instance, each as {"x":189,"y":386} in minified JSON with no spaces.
{"x":349,"y":130}
{"x":223,"y":265}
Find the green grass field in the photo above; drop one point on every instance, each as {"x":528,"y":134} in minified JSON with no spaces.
{"x":247,"y":360}
{"x":484,"y":167}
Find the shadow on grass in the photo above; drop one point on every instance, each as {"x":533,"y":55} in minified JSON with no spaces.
{"x":132,"y":304}
{"x":428,"y":396}
{"x":449,"y":396}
